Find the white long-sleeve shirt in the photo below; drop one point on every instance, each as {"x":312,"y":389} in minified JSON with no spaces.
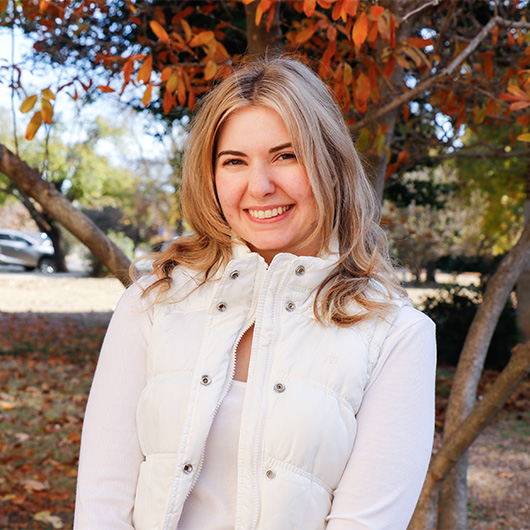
{"x":379,"y":487}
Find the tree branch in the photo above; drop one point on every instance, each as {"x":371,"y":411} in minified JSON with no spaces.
{"x":421,"y":8}
{"x":467,"y":376}
{"x":492,"y":153}
{"x":512,"y":24}
{"x":422,"y":87}
{"x":30,"y":183}
{"x":452,"y":448}
{"x":260,"y":41}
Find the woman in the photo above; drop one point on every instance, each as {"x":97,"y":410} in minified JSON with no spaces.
{"x":271,"y":375}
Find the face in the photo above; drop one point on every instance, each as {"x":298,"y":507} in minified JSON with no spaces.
{"x":264,"y":192}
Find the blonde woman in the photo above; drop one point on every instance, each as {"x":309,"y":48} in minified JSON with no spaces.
{"x":270,"y":374}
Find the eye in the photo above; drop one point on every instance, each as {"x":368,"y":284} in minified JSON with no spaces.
{"x":232,"y":162}
{"x":286,"y":156}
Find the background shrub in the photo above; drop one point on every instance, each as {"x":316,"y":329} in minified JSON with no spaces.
{"x":453,"y":310}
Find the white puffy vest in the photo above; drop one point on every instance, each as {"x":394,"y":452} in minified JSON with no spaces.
{"x":305,"y":385}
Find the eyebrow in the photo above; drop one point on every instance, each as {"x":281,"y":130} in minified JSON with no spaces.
{"x":239,"y":153}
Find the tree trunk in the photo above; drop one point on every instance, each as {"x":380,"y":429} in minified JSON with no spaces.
{"x":453,"y":496}
{"x":523,"y":283}
{"x":30,"y":183}
{"x":47,"y":225}
{"x":260,"y":41}
{"x":467,"y":376}
{"x":430,"y":272}
{"x":473,"y":425}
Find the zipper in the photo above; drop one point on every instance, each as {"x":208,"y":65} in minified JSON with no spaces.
{"x":259,"y":317}
{"x":249,"y":324}
{"x":219,"y":403}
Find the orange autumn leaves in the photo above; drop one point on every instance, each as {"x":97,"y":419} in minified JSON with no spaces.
{"x":353,"y":43}
{"x":45,"y":114}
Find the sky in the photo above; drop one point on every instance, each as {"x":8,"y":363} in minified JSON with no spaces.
{"x":77,"y":116}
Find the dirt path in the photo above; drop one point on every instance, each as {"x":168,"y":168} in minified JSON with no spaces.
{"x":499,"y":471}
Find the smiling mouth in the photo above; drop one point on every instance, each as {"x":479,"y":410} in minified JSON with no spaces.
{"x":268,"y":214}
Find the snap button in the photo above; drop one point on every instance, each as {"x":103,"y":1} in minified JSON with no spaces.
{"x":289,"y":306}
{"x":279,"y":387}
{"x":221,"y":306}
{"x":187,"y":468}
{"x":234,"y":275}
{"x":300,"y":270}
{"x":205,"y":380}
{"x":270,"y":474}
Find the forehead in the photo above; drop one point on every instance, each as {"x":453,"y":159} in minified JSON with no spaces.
{"x":251,"y":125}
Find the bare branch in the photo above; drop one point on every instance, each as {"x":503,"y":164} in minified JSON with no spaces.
{"x":421,"y":8}
{"x":511,"y":24}
{"x":422,"y":87}
{"x":489,"y":153}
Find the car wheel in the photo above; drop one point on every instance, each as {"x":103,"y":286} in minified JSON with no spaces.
{"x":47,"y":265}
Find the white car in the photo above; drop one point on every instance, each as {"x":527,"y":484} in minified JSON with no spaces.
{"x":31,"y":250}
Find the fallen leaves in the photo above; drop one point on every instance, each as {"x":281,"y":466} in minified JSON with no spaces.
{"x":46,"y":517}
{"x":47,"y":363}
{"x":46,"y":366}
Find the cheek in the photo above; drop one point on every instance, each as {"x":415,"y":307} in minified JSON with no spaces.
{"x":227,"y":195}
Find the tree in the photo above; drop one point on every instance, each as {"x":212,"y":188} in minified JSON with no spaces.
{"x":410,"y":75}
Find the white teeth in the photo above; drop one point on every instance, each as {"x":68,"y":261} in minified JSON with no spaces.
{"x":268,"y":214}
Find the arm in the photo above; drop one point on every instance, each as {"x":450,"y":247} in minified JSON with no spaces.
{"x":382,"y":481}
{"x":110,"y":453}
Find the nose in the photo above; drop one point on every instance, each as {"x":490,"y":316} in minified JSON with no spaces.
{"x":261,"y":181}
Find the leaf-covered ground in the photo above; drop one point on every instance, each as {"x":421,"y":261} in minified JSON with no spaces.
{"x":46,"y":365}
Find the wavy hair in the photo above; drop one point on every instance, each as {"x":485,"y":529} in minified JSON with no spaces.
{"x":323,"y":146}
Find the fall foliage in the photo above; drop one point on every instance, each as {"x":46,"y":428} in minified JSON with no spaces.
{"x":411,"y":76}
{"x":466,"y":61}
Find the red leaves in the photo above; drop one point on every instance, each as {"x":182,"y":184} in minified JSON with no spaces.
{"x":202,"y":38}
{"x":305,"y":34}
{"x":362,"y":92}
{"x":159,"y":31}
{"x":105,"y":88}
{"x":360,"y":29}
{"x":309,"y":7}
{"x":418,"y":42}
{"x":144,"y":73}
{"x":376,"y":11}
{"x":519,"y":98}
{"x":345,"y":8}
{"x":146,"y":98}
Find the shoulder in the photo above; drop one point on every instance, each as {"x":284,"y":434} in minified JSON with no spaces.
{"x":408,"y":318}
{"x":183,"y":282}
{"x":410,"y":343}
{"x":412,"y":332}
{"x":136,"y":299}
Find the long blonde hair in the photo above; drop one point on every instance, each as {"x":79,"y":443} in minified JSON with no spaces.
{"x":346,"y":203}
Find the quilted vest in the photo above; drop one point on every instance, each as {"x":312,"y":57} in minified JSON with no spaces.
{"x":305,"y":385}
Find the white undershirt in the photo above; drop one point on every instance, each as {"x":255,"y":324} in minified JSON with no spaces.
{"x":215,"y":490}
{"x":380,"y":484}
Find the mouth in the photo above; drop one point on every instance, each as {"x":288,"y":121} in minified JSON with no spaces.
{"x":268,"y":214}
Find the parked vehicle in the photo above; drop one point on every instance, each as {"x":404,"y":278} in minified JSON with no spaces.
{"x":31,"y":250}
